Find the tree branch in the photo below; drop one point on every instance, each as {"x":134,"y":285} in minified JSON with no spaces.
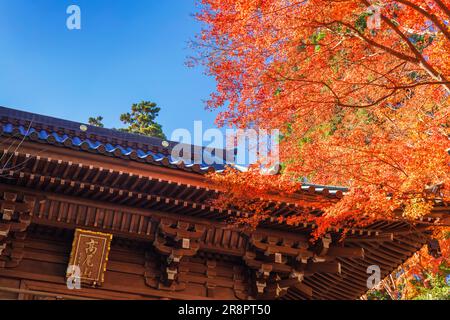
{"x":443,"y":7}
{"x":422,"y":61}
{"x":433,"y":18}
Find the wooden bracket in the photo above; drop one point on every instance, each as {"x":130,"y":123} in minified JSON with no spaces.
{"x":174,"y":241}
{"x":15,"y":217}
{"x":275,"y":264}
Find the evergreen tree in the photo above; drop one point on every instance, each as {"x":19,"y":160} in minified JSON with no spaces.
{"x":141,"y":120}
{"x":96,"y":122}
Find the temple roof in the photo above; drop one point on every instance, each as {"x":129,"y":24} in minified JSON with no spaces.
{"x":113,"y":143}
{"x":109,"y":142}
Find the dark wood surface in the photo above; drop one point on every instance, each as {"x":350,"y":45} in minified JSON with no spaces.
{"x":150,"y":210}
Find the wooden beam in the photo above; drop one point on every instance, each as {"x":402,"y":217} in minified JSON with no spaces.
{"x":345,"y":252}
{"x":324,"y":267}
{"x":375,"y":238}
{"x":305,"y":289}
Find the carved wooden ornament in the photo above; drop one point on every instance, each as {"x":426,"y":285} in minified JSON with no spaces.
{"x":89,"y":256}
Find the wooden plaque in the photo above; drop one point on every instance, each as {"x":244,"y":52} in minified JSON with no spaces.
{"x":90,"y":252}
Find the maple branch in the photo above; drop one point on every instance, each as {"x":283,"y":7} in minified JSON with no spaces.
{"x":403,"y":87}
{"x":422,"y":61}
{"x":337,"y":98}
{"x":373,"y":43}
{"x":372,"y":82}
{"x":424,"y":83}
{"x":395,"y":166}
{"x":443,"y":7}
{"x":418,"y":58}
{"x":430,"y":16}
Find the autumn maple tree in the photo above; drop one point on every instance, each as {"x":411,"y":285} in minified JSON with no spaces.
{"x":361,"y":103}
{"x":359,"y":89}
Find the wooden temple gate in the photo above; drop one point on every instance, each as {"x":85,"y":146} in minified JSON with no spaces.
{"x":65,"y":192}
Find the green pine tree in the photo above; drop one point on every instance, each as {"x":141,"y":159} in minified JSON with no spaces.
{"x":141,"y":120}
{"x":96,"y":122}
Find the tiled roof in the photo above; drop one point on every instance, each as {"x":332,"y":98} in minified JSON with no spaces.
{"x":108,"y":142}
{"x":317,"y":188}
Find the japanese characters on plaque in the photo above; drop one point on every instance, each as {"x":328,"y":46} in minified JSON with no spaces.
{"x":89,"y":257}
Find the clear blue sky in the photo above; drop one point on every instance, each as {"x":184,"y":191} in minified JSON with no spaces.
{"x":126,"y":51}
